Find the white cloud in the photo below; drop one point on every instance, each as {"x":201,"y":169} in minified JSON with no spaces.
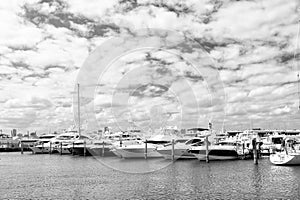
{"x":251,"y":40}
{"x":92,"y":9}
{"x":282,"y":110}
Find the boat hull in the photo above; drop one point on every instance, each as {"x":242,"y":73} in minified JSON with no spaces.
{"x":178,"y":154}
{"x":63,"y":150}
{"x":40,"y":150}
{"x":285,"y":159}
{"x":202,"y":157}
{"x":137,"y":153}
{"x":216,"y":153}
{"x":100,"y":151}
{"x":80,"y":151}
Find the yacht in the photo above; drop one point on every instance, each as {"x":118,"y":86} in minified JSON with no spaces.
{"x":63,"y":144}
{"x":146,"y":149}
{"x":80,"y":146}
{"x":219,"y":151}
{"x":8,"y":143}
{"x":57,"y":144}
{"x":181,"y":148}
{"x":105,"y":146}
{"x":289,"y":154}
{"x":121,"y":139}
{"x":101,"y":148}
{"x":42,"y":144}
{"x":276,"y":141}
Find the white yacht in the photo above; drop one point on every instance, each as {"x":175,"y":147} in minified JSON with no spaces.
{"x":181,"y":148}
{"x":63,"y":143}
{"x":146,"y":149}
{"x":42,"y":145}
{"x":101,"y":148}
{"x":289,"y":154}
{"x":80,"y":145}
{"x":121,"y":139}
{"x":57,"y":144}
{"x":215,"y":152}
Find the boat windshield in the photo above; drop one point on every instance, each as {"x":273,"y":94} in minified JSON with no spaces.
{"x":47,"y":136}
{"x":224,"y":143}
{"x":181,"y":141}
{"x":65,"y":137}
{"x":83,"y":137}
{"x":195,"y":140}
{"x":277,"y":140}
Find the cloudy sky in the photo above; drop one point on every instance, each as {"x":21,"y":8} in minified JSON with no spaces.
{"x":243,"y":72}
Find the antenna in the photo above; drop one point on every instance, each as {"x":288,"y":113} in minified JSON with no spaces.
{"x":78,"y":109}
{"x":298,"y":91}
{"x":296,"y":63}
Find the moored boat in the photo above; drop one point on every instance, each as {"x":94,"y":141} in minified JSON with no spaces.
{"x":43,"y":144}
{"x":289,"y":154}
{"x":215,"y":152}
{"x":101,"y":148}
{"x":181,"y":148}
{"x":146,"y":149}
{"x":282,"y":158}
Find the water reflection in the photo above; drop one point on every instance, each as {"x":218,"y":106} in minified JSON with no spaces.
{"x":68,"y":177}
{"x":257,"y":181}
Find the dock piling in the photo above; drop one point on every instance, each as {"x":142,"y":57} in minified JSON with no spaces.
{"x":255,"y":156}
{"x":103,"y":149}
{"x":50,"y":151}
{"x":42,"y":147}
{"x":84,"y":148}
{"x":206,"y":149}
{"x":60,"y":148}
{"x":146,"y":149}
{"x":173,"y":153}
{"x":22,"y":150}
{"x":73,"y":148}
{"x":243,"y":149}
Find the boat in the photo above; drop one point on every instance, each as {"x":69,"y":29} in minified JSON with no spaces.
{"x":146,"y":149}
{"x":289,"y":154}
{"x":282,"y":158}
{"x":63,"y":144}
{"x":101,"y":148}
{"x":137,"y":151}
{"x":27,"y":143}
{"x":8,"y":143}
{"x":181,"y":148}
{"x":121,"y":139}
{"x":290,"y":147}
{"x":42,"y":144}
{"x":56,"y":143}
{"x":276,"y":141}
{"x":215,"y":152}
{"x":105,"y":146}
{"x":80,"y":146}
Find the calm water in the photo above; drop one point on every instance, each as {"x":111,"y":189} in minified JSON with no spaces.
{"x":69,"y":177}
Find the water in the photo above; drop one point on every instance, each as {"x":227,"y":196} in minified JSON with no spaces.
{"x":70,"y":177}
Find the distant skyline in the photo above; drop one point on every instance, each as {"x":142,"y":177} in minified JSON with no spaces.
{"x":44,"y":43}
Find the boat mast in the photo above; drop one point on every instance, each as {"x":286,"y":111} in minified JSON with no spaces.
{"x":296,"y":64}
{"x":78,"y":97}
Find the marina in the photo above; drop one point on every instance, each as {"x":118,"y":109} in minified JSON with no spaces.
{"x":185,"y":144}
{"x":149,"y":99}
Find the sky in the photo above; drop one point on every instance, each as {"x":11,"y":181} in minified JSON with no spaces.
{"x":228,"y":62}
